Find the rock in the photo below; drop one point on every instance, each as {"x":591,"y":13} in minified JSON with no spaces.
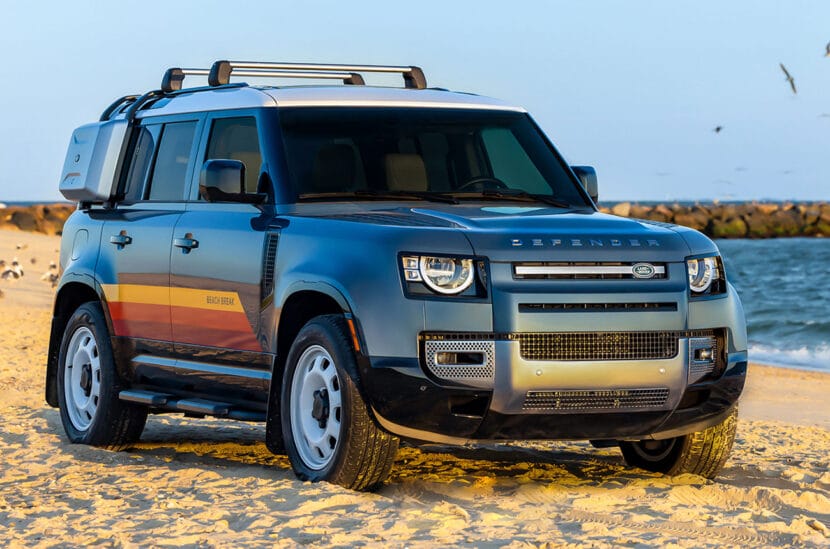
{"x":767,"y":209}
{"x":660,"y":213}
{"x":786,"y":222}
{"x":623,"y":209}
{"x":638,"y":211}
{"x":694,"y":219}
{"x":810,"y":213}
{"x":734,"y":227}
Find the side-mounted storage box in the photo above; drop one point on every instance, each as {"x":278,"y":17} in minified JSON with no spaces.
{"x":93,"y":160}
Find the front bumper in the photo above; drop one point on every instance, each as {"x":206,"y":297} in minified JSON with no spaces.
{"x":539,"y":399}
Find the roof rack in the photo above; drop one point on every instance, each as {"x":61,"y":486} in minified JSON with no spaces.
{"x":221,"y":71}
{"x":219,"y":74}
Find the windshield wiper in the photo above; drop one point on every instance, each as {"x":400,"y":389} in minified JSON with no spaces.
{"x":383,"y":195}
{"x":521,"y":196}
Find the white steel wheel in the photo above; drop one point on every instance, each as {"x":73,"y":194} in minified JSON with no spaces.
{"x":88,"y":385}
{"x":82,"y":378}
{"x":326,"y":427}
{"x":316,"y":408}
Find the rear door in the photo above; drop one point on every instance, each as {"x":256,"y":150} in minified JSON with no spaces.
{"x":134,"y":261}
{"x":223,"y":252}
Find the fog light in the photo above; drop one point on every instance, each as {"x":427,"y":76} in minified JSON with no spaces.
{"x":459,"y":359}
{"x":704,"y":355}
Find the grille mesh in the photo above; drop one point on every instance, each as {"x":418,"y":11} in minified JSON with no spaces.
{"x":465,"y":372}
{"x":612,"y":399}
{"x":598,"y":345}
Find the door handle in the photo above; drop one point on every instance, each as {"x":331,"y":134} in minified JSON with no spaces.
{"x":121,"y":239}
{"x":187,"y":243}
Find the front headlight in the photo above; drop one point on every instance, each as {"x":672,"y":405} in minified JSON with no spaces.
{"x":444,"y":275}
{"x":706,"y":276}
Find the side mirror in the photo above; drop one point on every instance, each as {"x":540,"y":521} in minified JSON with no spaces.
{"x":588,"y":177}
{"x":223,"y":180}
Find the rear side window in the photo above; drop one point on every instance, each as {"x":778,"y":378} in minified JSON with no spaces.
{"x":237,"y":139}
{"x":140,"y":159}
{"x":172,"y":160}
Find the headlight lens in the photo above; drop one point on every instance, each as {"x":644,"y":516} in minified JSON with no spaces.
{"x":705,"y":275}
{"x":445,"y":275}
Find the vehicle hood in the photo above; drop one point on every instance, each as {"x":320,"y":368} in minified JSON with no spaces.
{"x":533,"y":233}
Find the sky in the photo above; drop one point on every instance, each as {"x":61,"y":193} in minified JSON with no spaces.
{"x":633,"y":88}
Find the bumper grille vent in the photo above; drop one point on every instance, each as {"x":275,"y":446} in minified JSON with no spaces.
{"x":613,"y":399}
{"x":478,"y":374}
{"x":598,"y":345}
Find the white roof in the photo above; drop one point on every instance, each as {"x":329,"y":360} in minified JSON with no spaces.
{"x":223,"y":98}
{"x":368,"y":96}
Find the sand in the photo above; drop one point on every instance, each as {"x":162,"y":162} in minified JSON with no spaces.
{"x":193,"y":482}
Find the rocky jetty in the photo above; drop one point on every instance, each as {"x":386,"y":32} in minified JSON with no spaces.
{"x":736,"y":220}
{"x":718,"y":220}
{"x":40,"y":218}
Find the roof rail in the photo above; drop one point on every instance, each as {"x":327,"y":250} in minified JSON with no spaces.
{"x":221,"y":71}
{"x":115,"y":105}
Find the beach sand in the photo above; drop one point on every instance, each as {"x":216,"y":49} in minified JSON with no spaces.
{"x":192,"y":482}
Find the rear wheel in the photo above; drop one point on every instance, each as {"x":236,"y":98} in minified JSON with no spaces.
{"x":701,"y":453}
{"x":327,"y":431}
{"x":88,"y":385}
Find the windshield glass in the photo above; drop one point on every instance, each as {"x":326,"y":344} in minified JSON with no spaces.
{"x":348,"y":153}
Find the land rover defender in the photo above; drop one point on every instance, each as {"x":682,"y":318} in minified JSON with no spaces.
{"x":354,"y":265}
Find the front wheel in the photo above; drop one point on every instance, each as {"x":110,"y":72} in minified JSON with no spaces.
{"x":88,"y":385}
{"x":326,"y":426}
{"x":701,"y":453}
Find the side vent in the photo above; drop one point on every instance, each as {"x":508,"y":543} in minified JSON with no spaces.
{"x":268,"y":261}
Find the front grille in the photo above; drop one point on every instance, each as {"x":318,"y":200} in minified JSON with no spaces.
{"x":584,"y":270}
{"x":598,"y":345}
{"x":608,"y":399}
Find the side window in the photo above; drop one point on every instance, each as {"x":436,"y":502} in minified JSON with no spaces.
{"x":140,"y":158}
{"x":170,"y":170}
{"x":510,"y":162}
{"x":237,"y":139}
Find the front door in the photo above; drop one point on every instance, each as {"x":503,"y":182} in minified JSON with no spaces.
{"x":221,"y":328}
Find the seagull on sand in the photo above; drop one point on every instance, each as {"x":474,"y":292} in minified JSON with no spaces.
{"x":789,"y":78}
{"x":12,"y":272}
{"x":51,"y":275}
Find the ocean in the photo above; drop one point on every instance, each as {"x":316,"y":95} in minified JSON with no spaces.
{"x":784,"y":284}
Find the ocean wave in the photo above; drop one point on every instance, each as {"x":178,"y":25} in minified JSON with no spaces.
{"x":814,"y":358}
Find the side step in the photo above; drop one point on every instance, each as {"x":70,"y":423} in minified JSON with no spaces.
{"x":144,"y":397}
{"x":190,"y":405}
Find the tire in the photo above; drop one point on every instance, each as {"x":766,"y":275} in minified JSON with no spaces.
{"x":88,"y":385}
{"x":327,"y":431}
{"x":700,"y":453}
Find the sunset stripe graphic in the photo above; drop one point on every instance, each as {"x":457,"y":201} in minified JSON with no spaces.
{"x":184,"y":315}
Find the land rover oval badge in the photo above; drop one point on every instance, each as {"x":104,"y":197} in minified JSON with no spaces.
{"x":642,"y":270}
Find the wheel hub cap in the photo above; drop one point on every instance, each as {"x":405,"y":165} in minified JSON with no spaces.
{"x":86,"y":378}
{"x":320,"y":409}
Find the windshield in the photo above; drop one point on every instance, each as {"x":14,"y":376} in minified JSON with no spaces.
{"x":361,"y":153}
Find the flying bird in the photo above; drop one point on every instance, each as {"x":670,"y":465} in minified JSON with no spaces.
{"x":827,"y":47}
{"x":717,"y":129}
{"x":789,"y":78}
